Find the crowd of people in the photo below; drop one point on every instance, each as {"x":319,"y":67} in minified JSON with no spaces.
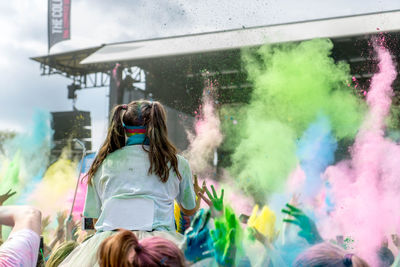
{"x":145,"y":205}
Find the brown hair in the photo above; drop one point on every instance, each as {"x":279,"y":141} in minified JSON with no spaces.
{"x":152,"y":251}
{"x":152,"y":115}
{"x":326,"y":254}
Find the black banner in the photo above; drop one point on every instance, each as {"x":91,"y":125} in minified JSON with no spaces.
{"x":58,"y":23}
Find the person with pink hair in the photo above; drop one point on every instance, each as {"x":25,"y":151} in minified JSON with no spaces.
{"x":125,"y":250}
{"x":328,"y":255}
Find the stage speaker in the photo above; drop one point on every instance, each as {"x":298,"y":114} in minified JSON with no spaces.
{"x":68,"y":125}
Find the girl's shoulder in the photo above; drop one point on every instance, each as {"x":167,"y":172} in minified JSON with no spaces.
{"x":181,"y":158}
{"x":183,"y":166}
{"x":182,"y":161}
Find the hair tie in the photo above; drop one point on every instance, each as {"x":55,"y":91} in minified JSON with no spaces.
{"x":347,"y":260}
{"x":163,"y":260}
{"x":138,"y":248}
{"x":125,"y":106}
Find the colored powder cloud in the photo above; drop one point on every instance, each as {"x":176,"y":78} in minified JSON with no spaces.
{"x":293,"y":83}
{"x":232,"y":120}
{"x":51,"y":194}
{"x":30,"y":187}
{"x":207,"y":137}
{"x":365,"y":188}
{"x":263,"y":160}
{"x":82,"y":187}
{"x":23,"y":169}
{"x":10,"y":174}
{"x":204,"y":142}
{"x":25,"y":156}
{"x":34,"y":144}
{"x":80,"y":198}
{"x":315,"y":151}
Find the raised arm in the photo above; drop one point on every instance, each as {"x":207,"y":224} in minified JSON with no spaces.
{"x":187,"y":190}
{"x":197,"y":190}
{"x":23,"y":246}
{"x":21,"y":217}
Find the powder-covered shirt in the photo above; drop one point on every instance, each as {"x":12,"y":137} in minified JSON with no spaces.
{"x":21,"y":249}
{"x":124,"y":195}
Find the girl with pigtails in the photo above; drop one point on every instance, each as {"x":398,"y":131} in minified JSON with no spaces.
{"x":134,"y":180}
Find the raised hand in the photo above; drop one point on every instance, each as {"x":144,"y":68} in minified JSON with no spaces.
{"x":6,"y":196}
{"x":197,"y":240}
{"x":61,"y":216}
{"x":308,"y":229}
{"x":225,"y":238}
{"x":45,"y":223}
{"x":215,"y":202}
{"x":262,"y":226}
{"x":198,"y":191}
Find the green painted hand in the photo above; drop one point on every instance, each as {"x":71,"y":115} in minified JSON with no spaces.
{"x":213,"y":200}
{"x":308,"y":229}
{"x":225,"y":238}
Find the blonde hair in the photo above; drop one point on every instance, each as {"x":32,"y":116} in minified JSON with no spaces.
{"x":60,"y":253}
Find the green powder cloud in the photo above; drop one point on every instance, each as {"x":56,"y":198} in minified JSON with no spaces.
{"x":293,"y":83}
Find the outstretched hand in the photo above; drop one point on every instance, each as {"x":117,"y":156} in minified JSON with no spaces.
{"x":215,"y":203}
{"x":225,"y":237}
{"x":262,"y":226}
{"x":197,"y":240}
{"x":61,"y":216}
{"x":45,"y":222}
{"x":308,"y":229}
{"x":6,"y":196}
{"x":198,"y":191}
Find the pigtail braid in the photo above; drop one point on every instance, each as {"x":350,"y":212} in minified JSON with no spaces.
{"x":162,"y":152}
{"x":115,"y":140}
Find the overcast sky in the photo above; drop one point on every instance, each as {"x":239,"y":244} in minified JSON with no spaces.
{"x":23,"y":31}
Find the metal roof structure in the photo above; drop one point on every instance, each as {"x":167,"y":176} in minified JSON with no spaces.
{"x":74,"y":64}
{"x":68,"y":64}
{"x":337,"y":27}
{"x":174,"y":66}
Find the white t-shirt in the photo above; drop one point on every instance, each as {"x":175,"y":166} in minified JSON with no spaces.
{"x":124,"y":195}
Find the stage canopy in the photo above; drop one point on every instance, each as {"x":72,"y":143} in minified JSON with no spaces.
{"x":247,"y":37}
{"x":175,"y":67}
